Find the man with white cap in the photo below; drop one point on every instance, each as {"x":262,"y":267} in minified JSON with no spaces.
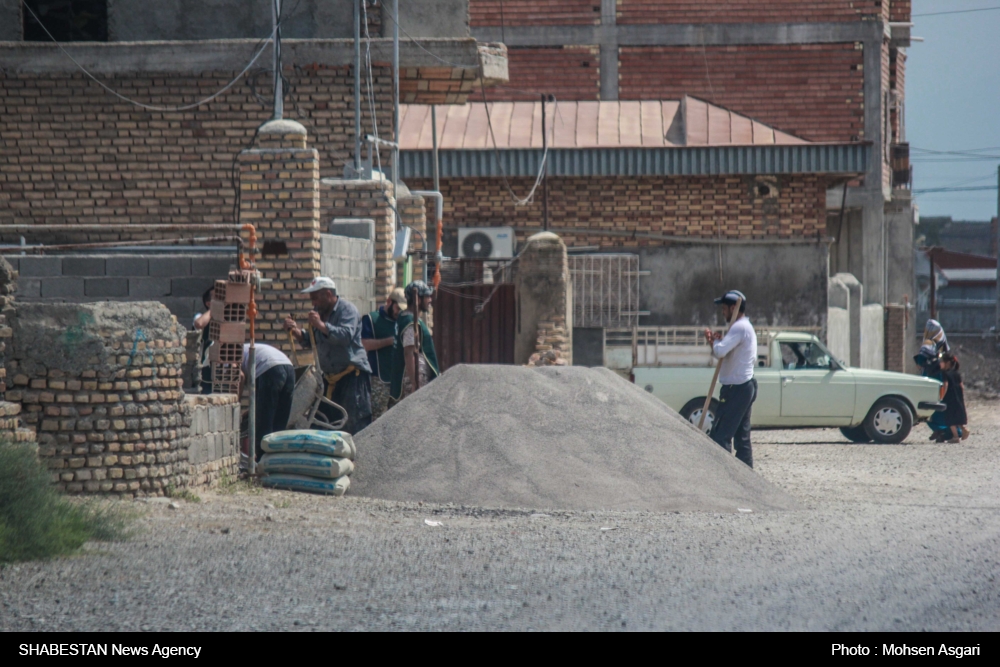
{"x":336,"y":324}
{"x":737,"y":352}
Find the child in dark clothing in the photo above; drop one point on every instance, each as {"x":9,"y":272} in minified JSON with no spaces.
{"x":953,"y":395}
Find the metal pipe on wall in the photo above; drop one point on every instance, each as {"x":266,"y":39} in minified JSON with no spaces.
{"x":395,"y":96}
{"x":279,"y":96}
{"x":357,"y":86}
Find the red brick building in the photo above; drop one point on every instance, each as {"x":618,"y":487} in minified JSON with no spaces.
{"x":823,"y":70}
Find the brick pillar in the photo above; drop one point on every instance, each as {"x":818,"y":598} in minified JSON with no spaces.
{"x":545,"y":302}
{"x":413,"y":214}
{"x":279,"y":195}
{"x":367,"y":199}
{"x":895,"y":338}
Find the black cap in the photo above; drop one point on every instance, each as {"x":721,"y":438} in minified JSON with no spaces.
{"x":731,"y":297}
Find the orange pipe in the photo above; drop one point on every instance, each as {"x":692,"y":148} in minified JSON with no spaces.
{"x":437,"y":251}
{"x":249,"y":266}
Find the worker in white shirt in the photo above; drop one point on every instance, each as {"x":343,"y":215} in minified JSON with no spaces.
{"x":738,"y":354}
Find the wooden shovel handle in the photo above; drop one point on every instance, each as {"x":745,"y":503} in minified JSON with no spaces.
{"x":718,"y":367}
{"x":295,"y":351}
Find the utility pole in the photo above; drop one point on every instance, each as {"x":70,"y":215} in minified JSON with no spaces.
{"x":545,"y":170}
{"x":279,"y":96}
{"x":357,"y":88}
{"x":395,"y":96}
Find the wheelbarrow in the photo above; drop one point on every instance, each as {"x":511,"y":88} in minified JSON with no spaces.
{"x":308,"y":396}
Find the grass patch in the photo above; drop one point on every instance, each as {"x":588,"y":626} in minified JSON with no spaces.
{"x":182,"y":494}
{"x":36,"y":521}
{"x":230,"y":485}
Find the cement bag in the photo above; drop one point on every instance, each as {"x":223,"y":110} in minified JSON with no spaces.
{"x":330,"y":487}
{"x":327,"y":443}
{"x":314,"y":465}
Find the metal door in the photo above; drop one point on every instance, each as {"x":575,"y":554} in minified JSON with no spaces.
{"x":465,"y":334}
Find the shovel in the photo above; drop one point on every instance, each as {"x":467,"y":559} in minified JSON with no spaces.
{"x":718,"y":367}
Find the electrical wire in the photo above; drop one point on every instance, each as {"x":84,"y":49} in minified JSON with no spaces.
{"x":975,"y":188}
{"x":149,"y":107}
{"x":958,"y":11}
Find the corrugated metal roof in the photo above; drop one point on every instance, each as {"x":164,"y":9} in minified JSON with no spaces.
{"x":605,"y":124}
{"x":677,"y":161}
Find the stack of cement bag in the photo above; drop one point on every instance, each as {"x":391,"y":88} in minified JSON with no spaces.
{"x":313,"y":461}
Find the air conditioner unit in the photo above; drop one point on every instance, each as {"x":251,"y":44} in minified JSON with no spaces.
{"x":486,"y":242}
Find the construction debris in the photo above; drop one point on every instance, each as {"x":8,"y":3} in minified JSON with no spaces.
{"x":550,"y":438}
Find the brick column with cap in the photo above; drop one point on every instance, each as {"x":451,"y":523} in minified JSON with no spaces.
{"x":279,"y":195}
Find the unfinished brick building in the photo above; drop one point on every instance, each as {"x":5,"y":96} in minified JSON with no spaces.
{"x":826,"y":71}
{"x":78,"y":164}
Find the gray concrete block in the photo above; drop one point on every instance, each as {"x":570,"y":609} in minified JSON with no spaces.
{"x":200,"y":423}
{"x":214,"y":267}
{"x":193,"y":287}
{"x":169,"y":267}
{"x":106,"y":287}
{"x":40,"y":267}
{"x":65,"y":287}
{"x":83,"y":266}
{"x":148,"y":287}
{"x":128,"y":266}
{"x":12,"y":260}
{"x":216,"y":422}
{"x":29,"y":288}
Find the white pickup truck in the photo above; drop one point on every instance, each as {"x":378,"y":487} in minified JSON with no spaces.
{"x":800,"y":383}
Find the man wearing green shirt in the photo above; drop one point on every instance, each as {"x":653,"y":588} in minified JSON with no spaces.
{"x":378,"y":333}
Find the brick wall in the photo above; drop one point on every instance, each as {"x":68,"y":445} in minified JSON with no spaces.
{"x":72,"y":154}
{"x":705,"y":207}
{"x":106,"y":402}
{"x":568,"y":72}
{"x":413,"y":214}
{"x":899,"y":10}
{"x":743,"y":11}
{"x":534,"y":12}
{"x":279,"y":195}
{"x":372,"y":200}
{"x":895,"y":339}
{"x":815,"y":91}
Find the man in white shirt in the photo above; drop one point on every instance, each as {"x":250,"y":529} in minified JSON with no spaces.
{"x":275,"y":388}
{"x":738,"y":354}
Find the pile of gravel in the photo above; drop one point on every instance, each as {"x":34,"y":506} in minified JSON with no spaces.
{"x":550,"y":438}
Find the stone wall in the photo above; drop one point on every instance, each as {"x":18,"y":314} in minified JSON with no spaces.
{"x":101,"y":383}
{"x":544,"y":303}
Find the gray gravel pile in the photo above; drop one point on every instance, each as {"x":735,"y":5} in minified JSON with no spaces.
{"x":550,"y":438}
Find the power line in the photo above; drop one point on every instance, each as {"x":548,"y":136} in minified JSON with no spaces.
{"x":141,"y":105}
{"x":958,"y":11}
{"x":976,"y":188}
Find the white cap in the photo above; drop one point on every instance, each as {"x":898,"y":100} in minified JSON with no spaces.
{"x":320,"y":283}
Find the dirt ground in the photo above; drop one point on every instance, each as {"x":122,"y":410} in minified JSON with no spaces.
{"x":902,"y":537}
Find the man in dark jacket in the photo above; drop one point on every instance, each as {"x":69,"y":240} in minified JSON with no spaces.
{"x":413,"y":366}
{"x":336,"y":325}
{"x":378,"y":333}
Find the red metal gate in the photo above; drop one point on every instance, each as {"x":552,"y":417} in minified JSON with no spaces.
{"x":464,"y":336}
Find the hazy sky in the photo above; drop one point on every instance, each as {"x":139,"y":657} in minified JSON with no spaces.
{"x":953,"y":104}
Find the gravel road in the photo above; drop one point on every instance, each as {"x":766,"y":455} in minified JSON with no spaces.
{"x":893,"y":538}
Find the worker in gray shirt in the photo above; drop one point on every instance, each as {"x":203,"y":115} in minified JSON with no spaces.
{"x":336,"y":326}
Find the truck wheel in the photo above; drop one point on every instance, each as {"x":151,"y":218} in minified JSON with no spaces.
{"x":889,"y":421}
{"x":692,"y":412}
{"x":856,"y":434}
